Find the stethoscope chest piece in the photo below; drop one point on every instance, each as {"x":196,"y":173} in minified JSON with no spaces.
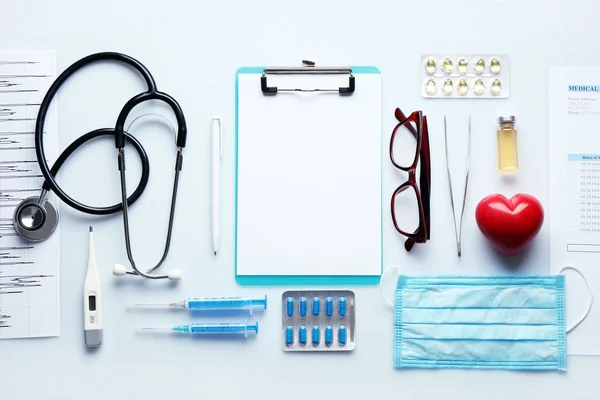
{"x":34,"y":221}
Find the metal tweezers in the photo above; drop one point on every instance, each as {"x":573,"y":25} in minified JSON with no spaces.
{"x":458,"y":229}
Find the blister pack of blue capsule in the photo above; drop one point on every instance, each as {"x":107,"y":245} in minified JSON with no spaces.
{"x":318,"y":320}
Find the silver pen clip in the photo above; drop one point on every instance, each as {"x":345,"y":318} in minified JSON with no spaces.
{"x":220,"y":120}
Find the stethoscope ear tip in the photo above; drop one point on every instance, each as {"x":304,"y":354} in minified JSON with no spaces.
{"x":119,"y":270}
{"x":174,"y":275}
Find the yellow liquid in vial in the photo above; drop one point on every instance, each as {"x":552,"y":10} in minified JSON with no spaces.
{"x":508,"y":154}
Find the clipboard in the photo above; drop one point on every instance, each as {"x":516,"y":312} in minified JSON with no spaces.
{"x":308,"y":187}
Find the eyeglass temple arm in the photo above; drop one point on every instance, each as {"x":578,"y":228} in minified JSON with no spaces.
{"x":425,"y":179}
{"x":402,"y":118}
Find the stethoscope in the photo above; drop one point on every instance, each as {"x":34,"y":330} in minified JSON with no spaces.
{"x":35,"y":218}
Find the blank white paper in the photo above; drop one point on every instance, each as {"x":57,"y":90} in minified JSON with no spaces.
{"x":309,"y":178}
{"x":29,"y":273}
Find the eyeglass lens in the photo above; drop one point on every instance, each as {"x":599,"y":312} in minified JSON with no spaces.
{"x":404,"y":146}
{"x":406,"y":210}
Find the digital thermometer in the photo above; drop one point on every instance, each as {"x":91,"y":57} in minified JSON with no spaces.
{"x":92,"y":301}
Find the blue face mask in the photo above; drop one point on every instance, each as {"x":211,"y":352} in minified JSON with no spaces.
{"x":495,"y":322}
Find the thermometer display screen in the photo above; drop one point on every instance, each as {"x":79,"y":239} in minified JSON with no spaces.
{"x":92,"y":301}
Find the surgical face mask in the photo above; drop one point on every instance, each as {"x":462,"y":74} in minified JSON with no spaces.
{"x":477,"y":322}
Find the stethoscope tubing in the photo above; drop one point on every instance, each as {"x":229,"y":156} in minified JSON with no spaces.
{"x":80,"y":141}
{"x":49,"y":175}
{"x":121,"y":137}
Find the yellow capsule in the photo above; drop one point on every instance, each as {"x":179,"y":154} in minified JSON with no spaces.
{"x":496,"y":87}
{"x":447,"y":87}
{"x":430,"y":87}
{"x":463,"y":65}
{"x":447,"y":66}
{"x":479,"y":66}
{"x":430,"y":66}
{"x":478,"y":87}
{"x":495,"y":65}
{"x":463,"y":87}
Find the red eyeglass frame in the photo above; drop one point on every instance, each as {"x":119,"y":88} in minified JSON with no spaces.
{"x":423,"y":189}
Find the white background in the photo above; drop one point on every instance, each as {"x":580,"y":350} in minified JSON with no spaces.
{"x":193,"y":50}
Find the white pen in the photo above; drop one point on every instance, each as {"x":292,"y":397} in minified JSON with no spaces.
{"x":217,"y":154}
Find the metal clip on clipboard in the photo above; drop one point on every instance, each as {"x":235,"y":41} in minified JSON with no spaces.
{"x":308,"y":67}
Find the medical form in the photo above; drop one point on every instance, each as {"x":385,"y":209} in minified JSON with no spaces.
{"x":574,"y":215}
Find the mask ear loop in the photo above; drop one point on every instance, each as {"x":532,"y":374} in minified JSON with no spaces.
{"x":381,"y":292}
{"x":590,"y":297}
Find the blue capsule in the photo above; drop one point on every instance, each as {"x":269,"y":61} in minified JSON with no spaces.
{"x":328,"y":335}
{"x":342,"y":306}
{"x":302,"y":335}
{"x":303,"y":302}
{"x":342,"y":335}
{"x":329,"y":306}
{"x":289,"y":335}
{"x":316,"y":305}
{"x":316,"y":335}
{"x":289,"y":306}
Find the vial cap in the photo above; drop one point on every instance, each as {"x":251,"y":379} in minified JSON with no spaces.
{"x":507,"y":120}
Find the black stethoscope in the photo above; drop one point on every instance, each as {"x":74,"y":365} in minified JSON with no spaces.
{"x":35,"y":218}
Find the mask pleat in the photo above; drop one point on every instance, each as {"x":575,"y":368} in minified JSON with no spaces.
{"x":480,"y":297}
{"x":480,"y":332}
{"x":489,"y":351}
{"x":478,"y":316}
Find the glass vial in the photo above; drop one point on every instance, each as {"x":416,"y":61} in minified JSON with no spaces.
{"x":508,"y":154}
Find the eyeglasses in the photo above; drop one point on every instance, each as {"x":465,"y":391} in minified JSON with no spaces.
{"x":409,"y":149}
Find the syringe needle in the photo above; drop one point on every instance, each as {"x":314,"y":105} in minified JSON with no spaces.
{"x":154,"y":330}
{"x":198,"y":329}
{"x":176,"y":304}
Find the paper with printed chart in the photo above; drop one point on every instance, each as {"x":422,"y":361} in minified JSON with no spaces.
{"x":29,"y":272}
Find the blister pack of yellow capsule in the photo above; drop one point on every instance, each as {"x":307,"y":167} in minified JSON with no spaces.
{"x":465,"y":76}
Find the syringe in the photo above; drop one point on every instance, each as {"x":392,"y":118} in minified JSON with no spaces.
{"x":211,"y":303}
{"x":196,"y":329}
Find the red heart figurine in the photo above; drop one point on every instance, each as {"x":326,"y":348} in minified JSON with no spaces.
{"x":509,"y":225}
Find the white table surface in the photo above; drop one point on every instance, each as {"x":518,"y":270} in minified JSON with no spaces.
{"x":193,"y":49}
